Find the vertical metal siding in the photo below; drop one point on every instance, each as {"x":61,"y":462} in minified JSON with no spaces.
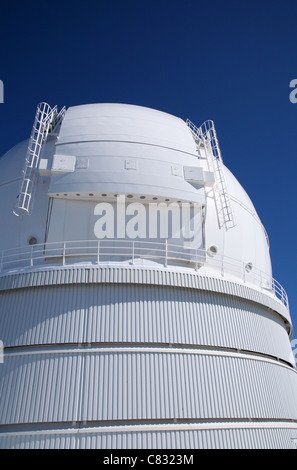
{"x":145,"y":276}
{"x":114,"y":352}
{"x":135,"y":385}
{"x":152,"y":314}
{"x":258,"y":438}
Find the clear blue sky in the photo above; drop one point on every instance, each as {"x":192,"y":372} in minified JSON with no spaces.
{"x":230,"y":61}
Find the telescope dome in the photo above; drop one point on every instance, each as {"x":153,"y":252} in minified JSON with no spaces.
{"x":138,"y":307}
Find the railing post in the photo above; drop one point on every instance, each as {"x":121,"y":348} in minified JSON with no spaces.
{"x":31,"y":258}
{"x":64,"y":249}
{"x":166,"y":252}
{"x":98,"y":252}
{"x":196,"y":260}
{"x":283,"y":295}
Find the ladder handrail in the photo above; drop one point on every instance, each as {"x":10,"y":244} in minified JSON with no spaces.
{"x":205,"y":136}
{"x":45,"y":117}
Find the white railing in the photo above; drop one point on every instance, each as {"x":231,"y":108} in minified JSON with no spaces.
{"x":135,"y":252}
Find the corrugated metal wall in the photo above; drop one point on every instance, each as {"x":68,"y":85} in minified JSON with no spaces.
{"x":127,"y":274}
{"x":116,"y":313}
{"x":137,"y":384}
{"x":250,"y":438}
{"x":112,"y":353}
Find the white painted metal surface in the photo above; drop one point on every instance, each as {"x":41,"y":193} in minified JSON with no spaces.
{"x":237,"y":435}
{"x":139,"y":339}
{"x":170,"y":316}
{"x":111,"y":384}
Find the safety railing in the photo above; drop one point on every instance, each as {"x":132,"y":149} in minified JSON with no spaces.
{"x":136,"y":252}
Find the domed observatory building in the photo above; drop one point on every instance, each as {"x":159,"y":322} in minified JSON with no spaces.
{"x":137,"y":303}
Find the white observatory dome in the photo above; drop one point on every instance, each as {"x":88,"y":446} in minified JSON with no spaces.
{"x":137,"y":303}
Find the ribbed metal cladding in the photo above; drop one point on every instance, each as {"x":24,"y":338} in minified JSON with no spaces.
{"x":107,"y":354}
{"x":156,"y":384}
{"x":116,"y":313}
{"x":241,"y":438}
{"x":148,"y":276}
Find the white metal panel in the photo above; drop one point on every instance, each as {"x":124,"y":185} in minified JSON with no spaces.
{"x":113,"y":126}
{"x":112,"y":384}
{"x":187,"y":278}
{"x":112,"y":121}
{"x":119,"y":313}
{"x":240,"y":438}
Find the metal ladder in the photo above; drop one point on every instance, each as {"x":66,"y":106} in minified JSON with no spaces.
{"x":46,"y":121}
{"x":206,"y":138}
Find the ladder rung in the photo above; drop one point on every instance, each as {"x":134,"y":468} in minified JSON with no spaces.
{"x":44,"y":118}
{"x":206,"y":135}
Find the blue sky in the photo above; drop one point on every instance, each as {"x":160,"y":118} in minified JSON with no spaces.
{"x":230,"y":61}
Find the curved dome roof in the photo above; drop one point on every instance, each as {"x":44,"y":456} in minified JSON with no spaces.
{"x":103,"y":150}
{"x":125,"y":123}
{"x":12,"y":162}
